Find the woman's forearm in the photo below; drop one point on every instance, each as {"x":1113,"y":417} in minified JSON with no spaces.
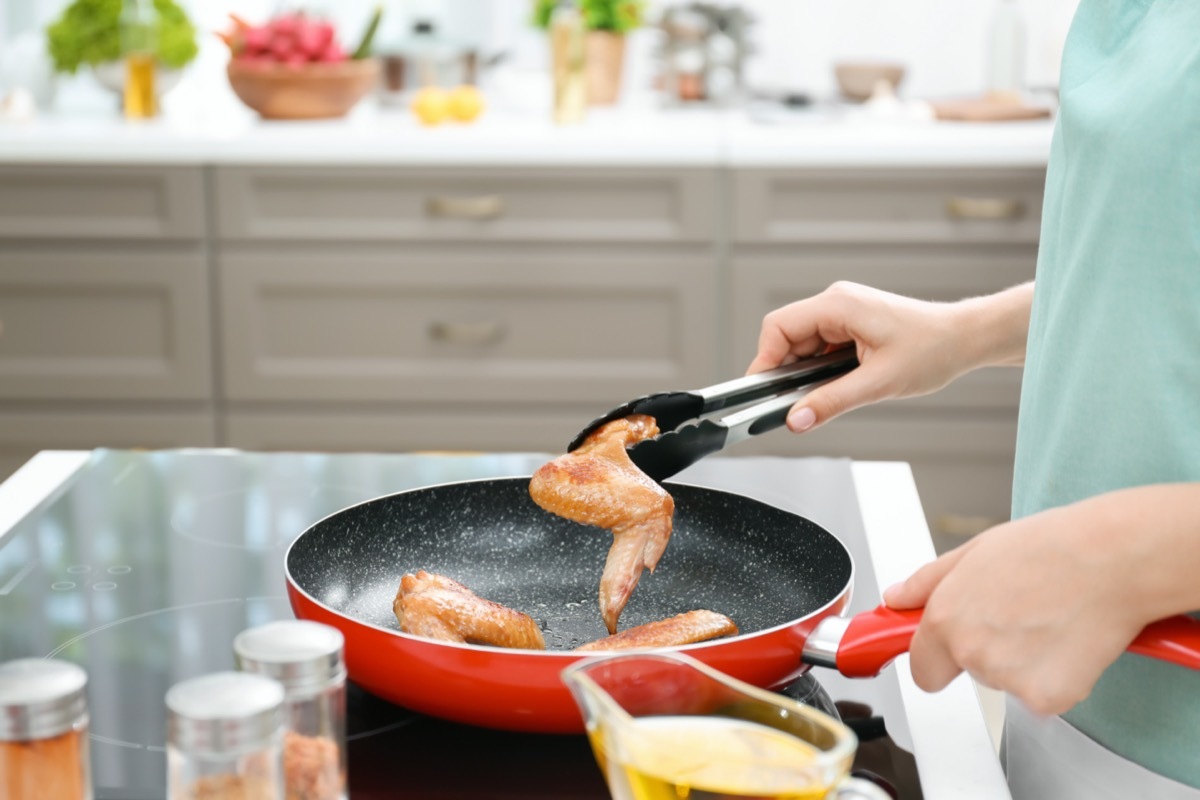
{"x":996,"y":327}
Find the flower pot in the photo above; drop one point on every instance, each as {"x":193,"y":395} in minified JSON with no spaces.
{"x":605,"y":63}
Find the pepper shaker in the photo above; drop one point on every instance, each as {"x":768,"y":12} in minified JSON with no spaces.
{"x":43,"y":731}
{"x":306,"y":658}
{"x":225,"y":738}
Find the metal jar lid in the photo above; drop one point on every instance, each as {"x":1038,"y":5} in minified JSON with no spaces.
{"x":305,"y":657}
{"x":225,"y":714}
{"x":40,"y":698}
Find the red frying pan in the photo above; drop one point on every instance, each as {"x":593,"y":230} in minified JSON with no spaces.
{"x":783,"y":579}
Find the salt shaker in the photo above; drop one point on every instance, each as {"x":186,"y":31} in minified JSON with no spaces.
{"x":43,"y":731}
{"x":306,"y":658}
{"x":225,"y":738}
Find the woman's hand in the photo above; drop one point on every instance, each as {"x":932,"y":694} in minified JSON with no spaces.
{"x":1041,"y":606}
{"x":905,"y":347}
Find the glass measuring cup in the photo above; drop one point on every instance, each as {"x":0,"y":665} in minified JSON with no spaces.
{"x":665,"y":726}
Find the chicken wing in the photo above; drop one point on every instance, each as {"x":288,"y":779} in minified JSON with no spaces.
{"x":438,"y":607}
{"x":686,"y":628}
{"x":598,"y":484}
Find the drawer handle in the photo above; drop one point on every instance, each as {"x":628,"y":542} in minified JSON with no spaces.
{"x":984,"y":208}
{"x":964,"y":526}
{"x":487,"y":206}
{"x":471,"y":333}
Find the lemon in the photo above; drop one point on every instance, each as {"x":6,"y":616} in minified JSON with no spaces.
{"x":466,"y":103}
{"x":431,"y":105}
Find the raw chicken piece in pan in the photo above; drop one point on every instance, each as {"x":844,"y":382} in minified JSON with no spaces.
{"x":598,"y":484}
{"x":438,"y":607}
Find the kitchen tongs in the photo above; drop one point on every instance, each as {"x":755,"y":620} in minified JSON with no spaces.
{"x":688,"y":436}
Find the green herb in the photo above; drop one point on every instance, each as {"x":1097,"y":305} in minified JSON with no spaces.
{"x":617,"y":16}
{"x":89,"y":32}
{"x":364,"y":46}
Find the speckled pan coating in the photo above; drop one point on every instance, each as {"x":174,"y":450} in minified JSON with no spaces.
{"x":758,"y":564}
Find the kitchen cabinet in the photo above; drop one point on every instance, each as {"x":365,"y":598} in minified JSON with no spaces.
{"x":936,"y":235}
{"x":489,"y":309}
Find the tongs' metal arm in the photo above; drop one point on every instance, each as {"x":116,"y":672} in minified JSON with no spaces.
{"x":764,"y":384}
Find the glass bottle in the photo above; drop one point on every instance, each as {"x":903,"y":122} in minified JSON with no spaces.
{"x":306,"y":658}
{"x":225,"y":737}
{"x":568,"y":54}
{"x":1006,"y":52}
{"x":43,"y":731}
{"x":139,"y":47}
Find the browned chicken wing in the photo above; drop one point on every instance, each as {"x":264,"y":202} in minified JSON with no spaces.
{"x":687,"y":628}
{"x":438,"y":607}
{"x":598,"y":484}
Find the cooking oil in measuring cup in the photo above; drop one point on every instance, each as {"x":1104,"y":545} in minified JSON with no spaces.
{"x":710,"y":758}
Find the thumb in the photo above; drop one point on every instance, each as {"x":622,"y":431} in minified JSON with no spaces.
{"x":915,"y":592}
{"x":858,"y":387}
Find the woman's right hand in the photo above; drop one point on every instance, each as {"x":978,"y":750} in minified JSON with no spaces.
{"x":905,"y":347}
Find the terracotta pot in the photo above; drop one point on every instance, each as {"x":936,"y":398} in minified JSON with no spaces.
{"x":311,"y":91}
{"x":605,"y":63}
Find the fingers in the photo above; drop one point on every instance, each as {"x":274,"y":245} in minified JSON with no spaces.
{"x":932,"y":665}
{"x":856,"y":388}
{"x":915,"y":592}
{"x":804,"y":328}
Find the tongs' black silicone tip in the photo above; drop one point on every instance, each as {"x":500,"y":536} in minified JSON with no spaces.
{"x":669,"y":410}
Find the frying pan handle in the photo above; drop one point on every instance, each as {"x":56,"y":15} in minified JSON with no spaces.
{"x":874,"y":638}
{"x":1175,"y":639}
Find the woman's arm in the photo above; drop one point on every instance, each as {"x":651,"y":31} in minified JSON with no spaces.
{"x":1039,"y":607}
{"x":906,"y":347}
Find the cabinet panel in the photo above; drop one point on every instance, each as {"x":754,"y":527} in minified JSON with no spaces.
{"x":23,"y":434}
{"x":474,"y":430}
{"x":763,"y":283}
{"x":118,"y":323}
{"x":372,"y":327}
{"x":863,"y":205}
{"x":466,"y":205}
{"x":99,"y":202}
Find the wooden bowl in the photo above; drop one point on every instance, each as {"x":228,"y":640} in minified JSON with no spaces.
{"x":309,"y":91}
{"x":857,"y":79}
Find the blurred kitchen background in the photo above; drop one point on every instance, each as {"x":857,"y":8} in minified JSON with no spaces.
{"x":313,"y":237}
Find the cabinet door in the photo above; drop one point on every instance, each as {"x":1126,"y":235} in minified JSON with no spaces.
{"x":88,"y":201}
{"x":508,"y":328}
{"x":763,"y":283}
{"x":901,"y":205}
{"x":110,"y":323}
{"x":486,"y":204}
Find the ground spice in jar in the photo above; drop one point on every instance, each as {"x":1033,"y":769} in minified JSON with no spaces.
{"x":43,"y":731}
{"x":44,"y":768}
{"x":232,"y":787}
{"x":312,"y":768}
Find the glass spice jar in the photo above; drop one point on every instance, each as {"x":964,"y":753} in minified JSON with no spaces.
{"x":43,"y":731}
{"x":225,"y":738}
{"x":306,"y":658}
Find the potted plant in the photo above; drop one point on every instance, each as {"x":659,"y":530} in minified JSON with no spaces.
{"x":607,"y":22}
{"x":89,"y":33}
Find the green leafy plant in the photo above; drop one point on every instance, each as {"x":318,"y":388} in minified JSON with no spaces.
{"x":616,"y":16}
{"x":89,"y":32}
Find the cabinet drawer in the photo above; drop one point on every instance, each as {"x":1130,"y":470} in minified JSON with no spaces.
{"x":466,"y":205}
{"x":480,"y":330}
{"x":24,"y":434}
{"x":762,"y":284}
{"x":887,"y":205}
{"x":96,"y":202}
{"x":120,"y":324}
{"x":481,"y":429}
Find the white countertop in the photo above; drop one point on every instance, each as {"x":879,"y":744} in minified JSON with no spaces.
{"x":643,"y":137}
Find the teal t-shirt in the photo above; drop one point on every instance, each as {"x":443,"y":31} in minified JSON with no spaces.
{"x":1111,"y":394}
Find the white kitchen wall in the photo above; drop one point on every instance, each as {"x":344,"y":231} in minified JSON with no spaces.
{"x":943,"y":42}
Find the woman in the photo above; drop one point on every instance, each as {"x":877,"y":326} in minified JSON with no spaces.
{"x":1105,"y":536}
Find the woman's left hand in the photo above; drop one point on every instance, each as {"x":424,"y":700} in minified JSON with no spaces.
{"x":1037,"y":608}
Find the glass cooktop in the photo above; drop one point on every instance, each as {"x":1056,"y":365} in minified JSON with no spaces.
{"x":150,"y":563}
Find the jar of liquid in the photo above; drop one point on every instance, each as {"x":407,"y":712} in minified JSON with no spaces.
{"x":225,"y":738}
{"x":43,"y":731}
{"x":306,"y":659}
